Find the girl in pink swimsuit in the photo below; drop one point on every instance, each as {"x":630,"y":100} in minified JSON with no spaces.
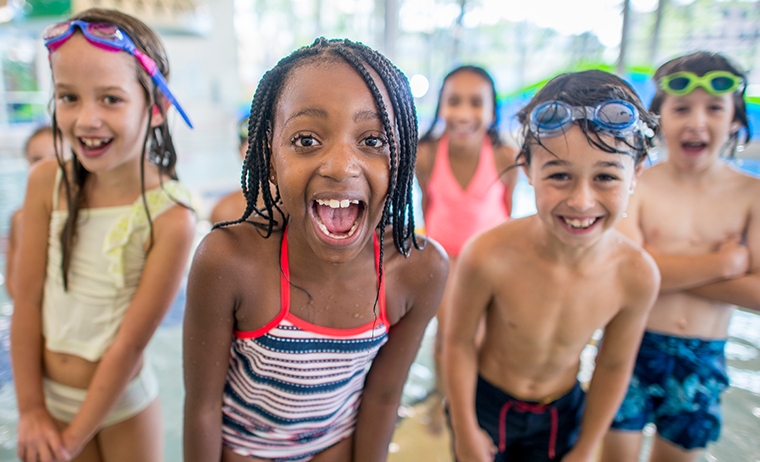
{"x":462,"y":172}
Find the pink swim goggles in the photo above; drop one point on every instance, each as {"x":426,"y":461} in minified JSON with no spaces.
{"x":110,"y":38}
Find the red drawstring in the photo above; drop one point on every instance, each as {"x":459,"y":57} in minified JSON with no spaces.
{"x":503,"y":426}
{"x":553,"y":437}
{"x":527,"y":407}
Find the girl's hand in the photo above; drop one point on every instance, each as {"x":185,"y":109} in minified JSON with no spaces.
{"x":475,"y":448}
{"x":39,"y":439}
{"x":72,"y":445}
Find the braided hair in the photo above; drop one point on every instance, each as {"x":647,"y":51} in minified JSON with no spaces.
{"x":402,"y":137}
{"x":590,"y":88}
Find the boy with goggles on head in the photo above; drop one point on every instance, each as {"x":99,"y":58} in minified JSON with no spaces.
{"x":700,"y":220}
{"x":546,"y":283}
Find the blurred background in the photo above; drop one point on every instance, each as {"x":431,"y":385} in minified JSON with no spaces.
{"x":219,"y":49}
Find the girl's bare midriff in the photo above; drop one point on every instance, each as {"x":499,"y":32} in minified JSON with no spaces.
{"x":71,"y":370}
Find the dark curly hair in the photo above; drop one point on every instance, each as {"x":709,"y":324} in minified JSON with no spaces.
{"x":590,"y":88}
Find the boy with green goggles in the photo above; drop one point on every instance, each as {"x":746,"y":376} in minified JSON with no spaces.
{"x":714,"y":82}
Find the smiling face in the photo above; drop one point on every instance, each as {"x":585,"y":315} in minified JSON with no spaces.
{"x":696,"y":127}
{"x":467,"y":106}
{"x":100,"y":106}
{"x":330,"y":158}
{"x":581,"y":191}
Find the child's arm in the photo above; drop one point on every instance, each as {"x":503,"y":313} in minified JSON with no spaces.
{"x":681,"y":272}
{"x":744,"y":290}
{"x":160,"y":279}
{"x":470,"y":295}
{"x":422,"y":284}
{"x":10,"y":255}
{"x":207,"y":335}
{"x":617,"y":354}
{"x":684,"y":272}
{"x":37,"y":433}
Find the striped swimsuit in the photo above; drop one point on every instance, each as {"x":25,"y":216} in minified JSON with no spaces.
{"x":293,"y":388}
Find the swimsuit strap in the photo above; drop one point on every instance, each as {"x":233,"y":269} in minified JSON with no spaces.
{"x":285,"y":278}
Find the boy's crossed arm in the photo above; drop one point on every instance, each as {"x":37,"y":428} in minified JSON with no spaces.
{"x":681,"y":272}
{"x":742,"y":290}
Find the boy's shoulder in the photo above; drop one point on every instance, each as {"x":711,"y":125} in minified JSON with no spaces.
{"x":510,"y":236}
{"x":743,"y":179}
{"x":636,"y":268}
{"x":509,"y":244}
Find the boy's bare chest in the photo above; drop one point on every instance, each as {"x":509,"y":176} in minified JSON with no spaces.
{"x":682,"y":221}
{"x":555,"y":310}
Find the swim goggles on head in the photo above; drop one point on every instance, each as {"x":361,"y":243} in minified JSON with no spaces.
{"x":615,"y":117}
{"x":109,"y":37}
{"x":714,"y":82}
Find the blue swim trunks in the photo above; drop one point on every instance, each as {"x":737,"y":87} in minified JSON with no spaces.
{"x":677,"y":383}
{"x":529,"y":431}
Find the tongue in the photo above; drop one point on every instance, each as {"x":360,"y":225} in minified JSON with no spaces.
{"x":338,"y":221}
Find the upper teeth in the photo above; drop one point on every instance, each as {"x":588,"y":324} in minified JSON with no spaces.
{"x":93,"y":142}
{"x":578,"y":223}
{"x":336,"y":204}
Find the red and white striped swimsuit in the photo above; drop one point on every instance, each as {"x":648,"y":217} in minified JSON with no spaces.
{"x":293,"y":388}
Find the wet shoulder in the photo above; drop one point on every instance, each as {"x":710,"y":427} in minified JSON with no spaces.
{"x":429,"y":259}
{"x":230,"y":248}
{"x":636,"y":268}
{"x":412,"y":279}
{"x":506,"y":238}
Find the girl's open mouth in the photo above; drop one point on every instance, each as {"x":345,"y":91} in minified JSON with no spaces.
{"x":93,"y":147}
{"x":338,"y":218}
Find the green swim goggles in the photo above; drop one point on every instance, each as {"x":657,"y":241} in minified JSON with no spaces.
{"x":716,"y":83}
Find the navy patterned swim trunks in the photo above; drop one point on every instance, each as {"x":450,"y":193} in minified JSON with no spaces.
{"x":677,"y":383}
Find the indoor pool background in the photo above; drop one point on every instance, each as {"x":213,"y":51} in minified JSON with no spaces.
{"x":740,"y":440}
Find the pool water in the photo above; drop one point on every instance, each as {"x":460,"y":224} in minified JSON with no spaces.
{"x":741,"y":403}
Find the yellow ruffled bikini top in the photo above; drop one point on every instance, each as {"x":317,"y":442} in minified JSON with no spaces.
{"x":106,"y":266}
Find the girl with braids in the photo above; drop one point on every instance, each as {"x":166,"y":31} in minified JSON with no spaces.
{"x":105,"y":243}
{"x":300,"y":328}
